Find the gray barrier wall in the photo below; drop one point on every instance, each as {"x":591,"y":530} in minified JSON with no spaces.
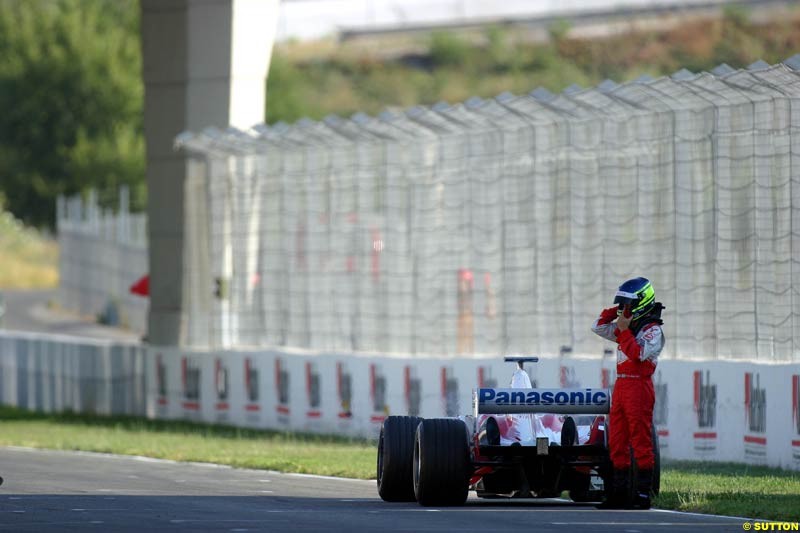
{"x":58,"y":373}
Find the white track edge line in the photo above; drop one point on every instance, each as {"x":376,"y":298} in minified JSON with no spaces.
{"x":689,"y":513}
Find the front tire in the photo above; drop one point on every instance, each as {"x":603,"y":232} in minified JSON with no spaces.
{"x":441,"y":462}
{"x":395,"y":458}
{"x":656,"y":487}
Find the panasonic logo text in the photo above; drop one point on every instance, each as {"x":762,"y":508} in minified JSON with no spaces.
{"x":576,"y":401}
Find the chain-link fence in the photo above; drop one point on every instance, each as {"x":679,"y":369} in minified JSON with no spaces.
{"x":505,"y":225}
{"x":101,"y":254}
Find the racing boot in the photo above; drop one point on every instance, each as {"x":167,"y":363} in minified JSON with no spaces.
{"x":644,"y":484}
{"x":618,"y":495}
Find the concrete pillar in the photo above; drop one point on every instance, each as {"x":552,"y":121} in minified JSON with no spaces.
{"x":205,"y":64}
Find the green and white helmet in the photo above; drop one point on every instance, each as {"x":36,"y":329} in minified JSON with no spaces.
{"x":639,"y":294}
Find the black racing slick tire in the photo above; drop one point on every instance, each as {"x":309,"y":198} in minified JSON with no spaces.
{"x":441,"y":462}
{"x":656,"y":487}
{"x":395,"y":458}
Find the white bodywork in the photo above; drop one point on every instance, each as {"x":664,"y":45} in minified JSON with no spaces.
{"x":525,"y":428}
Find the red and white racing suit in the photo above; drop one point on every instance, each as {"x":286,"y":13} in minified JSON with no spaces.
{"x":633,"y":398}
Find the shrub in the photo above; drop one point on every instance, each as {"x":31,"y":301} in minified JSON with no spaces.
{"x":449,"y":50}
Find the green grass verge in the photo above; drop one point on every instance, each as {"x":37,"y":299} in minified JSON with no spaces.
{"x":187,"y":441}
{"x":714,"y":488}
{"x":730,"y":489}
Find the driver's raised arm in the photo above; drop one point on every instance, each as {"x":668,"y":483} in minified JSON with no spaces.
{"x":604,"y":325}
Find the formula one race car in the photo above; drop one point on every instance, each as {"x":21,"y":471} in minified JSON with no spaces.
{"x":519,"y":442}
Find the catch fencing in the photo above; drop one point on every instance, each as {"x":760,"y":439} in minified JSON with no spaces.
{"x":504,"y":225}
{"x":101,"y":254}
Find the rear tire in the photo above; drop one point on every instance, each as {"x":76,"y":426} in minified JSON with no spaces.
{"x":395,"y":458}
{"x":441,"y":462}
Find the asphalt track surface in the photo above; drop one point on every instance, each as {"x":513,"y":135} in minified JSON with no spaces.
{"x":30,"y":310}
{"x":76,"y":491}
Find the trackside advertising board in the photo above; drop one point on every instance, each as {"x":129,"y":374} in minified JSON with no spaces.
{"x":709,"y":410}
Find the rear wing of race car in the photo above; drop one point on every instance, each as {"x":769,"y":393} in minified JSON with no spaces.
{"x":558,"y":401}
{"x":521,"y":359}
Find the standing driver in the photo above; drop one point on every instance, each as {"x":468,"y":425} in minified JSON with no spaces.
{"x":634,"y":323}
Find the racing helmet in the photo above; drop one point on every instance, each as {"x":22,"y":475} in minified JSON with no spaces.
{"x":639,"y":294}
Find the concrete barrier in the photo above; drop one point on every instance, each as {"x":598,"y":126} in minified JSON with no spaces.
{"x":705,"y":410}
{"x":53,"y":373}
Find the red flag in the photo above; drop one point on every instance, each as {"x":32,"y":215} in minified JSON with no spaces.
{"x":141,"y":287}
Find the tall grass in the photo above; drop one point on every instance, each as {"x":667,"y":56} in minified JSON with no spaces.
{"x":28,"y":258}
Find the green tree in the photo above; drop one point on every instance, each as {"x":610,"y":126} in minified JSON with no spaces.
{"x":286,"y":91}
{"x":71,"y":98}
